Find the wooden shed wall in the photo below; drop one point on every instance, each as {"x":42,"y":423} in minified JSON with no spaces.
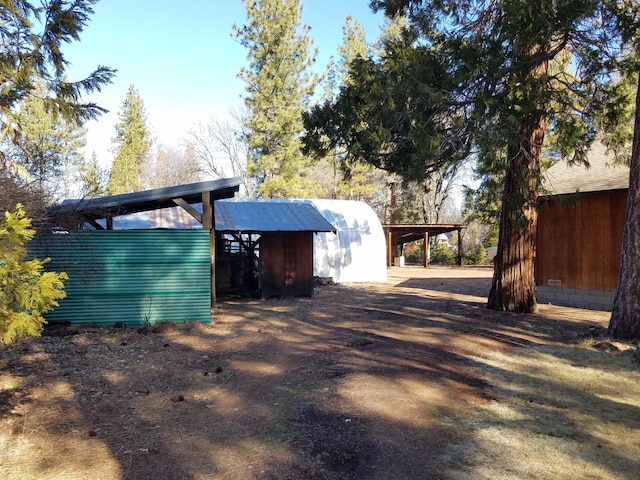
{"x":287,"y":263}
{"x":580,"y":242}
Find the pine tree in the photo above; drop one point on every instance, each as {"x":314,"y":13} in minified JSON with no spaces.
{"x":279,"y":85}
{"x":50,"y":145}
{"x":354,"y":46}
{"x":93,"y":178}
{"x":26,"y":292}
{"x":32,"y":56}
{"x":520,"y":67}
{"x":132,"y":146}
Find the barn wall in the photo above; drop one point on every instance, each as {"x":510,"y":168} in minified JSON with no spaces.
{"x":579,"y":243}
{"x":130,"y":276}
{"x":287,"y":264}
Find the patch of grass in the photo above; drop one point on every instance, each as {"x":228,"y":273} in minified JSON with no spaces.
{"x":559,"y":411}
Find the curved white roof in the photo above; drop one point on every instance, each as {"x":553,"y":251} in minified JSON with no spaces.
{"x":357,"y":252}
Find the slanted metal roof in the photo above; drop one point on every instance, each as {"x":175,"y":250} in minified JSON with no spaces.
{"x":148,"y":199}
{"x":254,"y":216}
{"x":601,"y":175}
{"x":405,"y":233}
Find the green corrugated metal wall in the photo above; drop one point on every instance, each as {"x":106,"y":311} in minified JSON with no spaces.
{"x":129,"y":276}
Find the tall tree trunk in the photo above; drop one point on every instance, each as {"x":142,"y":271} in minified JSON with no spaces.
{"x":625,"y":316}
{"x":513,"y":286}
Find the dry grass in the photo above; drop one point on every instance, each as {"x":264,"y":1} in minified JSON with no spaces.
{"x":409,"y":380}
{"x":559,"y":411}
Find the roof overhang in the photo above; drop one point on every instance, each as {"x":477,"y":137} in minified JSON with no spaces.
{"x":405,"y":233}
{"x":93,"y":209}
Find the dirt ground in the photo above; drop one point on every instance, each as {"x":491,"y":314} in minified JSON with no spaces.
{"x":362,"y":381}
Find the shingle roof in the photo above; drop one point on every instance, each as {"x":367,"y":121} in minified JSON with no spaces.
{"x":251,"y":216}
{"x":601,"y":175}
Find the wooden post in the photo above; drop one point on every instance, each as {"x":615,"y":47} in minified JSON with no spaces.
{"x":390,"y":248}
{"x":459,"y":247}
{"x":209,"y":224}
{"x":425,"y":249}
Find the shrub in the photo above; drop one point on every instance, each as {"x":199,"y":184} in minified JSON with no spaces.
{"x":413,"y":253}
{"x":25,"y":290}
{"x":443,"y":255}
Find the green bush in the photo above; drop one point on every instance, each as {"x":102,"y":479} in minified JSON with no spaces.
{"x":25,"y":290}
{"x":414,"y":253}
{"x":475,"y":256}
{"x":443,"y":255}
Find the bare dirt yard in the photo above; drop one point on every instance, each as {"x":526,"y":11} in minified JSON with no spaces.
{"x":410,"y":379}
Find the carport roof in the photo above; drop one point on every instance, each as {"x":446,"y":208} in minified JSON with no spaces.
{"x":147,"y":200}
{"x":255,"y":216}
{"x":406,"y":233}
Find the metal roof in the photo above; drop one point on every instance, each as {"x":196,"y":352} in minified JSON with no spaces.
{"x":254,"y":216}
{"x":601,"y":175}
{"x":147,"y":199}
{"x":412,"y":232}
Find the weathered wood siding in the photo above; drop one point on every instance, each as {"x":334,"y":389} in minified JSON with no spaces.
{"x":287,"y":264}
{"x":579,"y":241}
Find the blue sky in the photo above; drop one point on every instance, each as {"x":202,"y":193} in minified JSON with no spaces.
{"x":182,"y":58}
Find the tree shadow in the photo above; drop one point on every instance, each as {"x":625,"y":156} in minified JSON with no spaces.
{"x":357,"y":382}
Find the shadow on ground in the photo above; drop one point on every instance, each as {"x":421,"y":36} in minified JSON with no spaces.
{"x":361,"y":381}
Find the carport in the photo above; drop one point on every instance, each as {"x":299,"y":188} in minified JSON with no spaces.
{"x":399,"y":234}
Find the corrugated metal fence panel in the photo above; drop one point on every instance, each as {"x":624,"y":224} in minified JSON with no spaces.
{"x":129,"y":276}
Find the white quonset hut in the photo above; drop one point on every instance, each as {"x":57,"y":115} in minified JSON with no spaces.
{"x":357,"y":251}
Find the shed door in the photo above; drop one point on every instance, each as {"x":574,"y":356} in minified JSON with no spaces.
{"x":287,"y":264}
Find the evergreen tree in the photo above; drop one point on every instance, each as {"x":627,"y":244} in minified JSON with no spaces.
{"x":354,"y":46}
{"x":340,"y":175}
{"x":279,"y":86}
{"x":26,"y":292}
{"x":390,"y":116}
{"x":520,"y":67}
{"x":93,"y":178}
{"x":132,"y":146}
{"x":33,"y":56}
{"x":50,"y":145}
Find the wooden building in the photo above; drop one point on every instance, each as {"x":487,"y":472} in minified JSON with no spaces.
{"x":579,"y":236}
{"x":265,"y":248}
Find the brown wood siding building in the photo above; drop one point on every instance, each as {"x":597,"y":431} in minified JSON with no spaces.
{"x":579,"y":241}
{"x":580,"y":228}
{"x":280,"y":248}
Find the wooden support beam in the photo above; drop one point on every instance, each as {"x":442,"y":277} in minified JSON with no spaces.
{"x":425,"y":251}
{"x":190,"y":210}
{"x":95,"y":224}
{"x":208,"y":224}
{"x":459,"y":247}
{"x":207,"y":211}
